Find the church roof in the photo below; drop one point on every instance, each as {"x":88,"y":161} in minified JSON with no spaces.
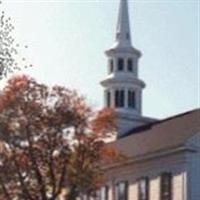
{"x":159,"y":136}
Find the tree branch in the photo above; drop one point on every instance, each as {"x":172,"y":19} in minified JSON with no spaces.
{"x":25,"y":190}
{"x":52,"y":174}
{"x":39,"y":177}
{"x":62,"y":178}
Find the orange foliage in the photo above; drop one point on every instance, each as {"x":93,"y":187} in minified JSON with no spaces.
{"x":54,"y":140}
{"x":105,"y":122}
{"x":14,"y":84}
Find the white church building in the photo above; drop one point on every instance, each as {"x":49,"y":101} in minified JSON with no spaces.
{"x":163,"y":155}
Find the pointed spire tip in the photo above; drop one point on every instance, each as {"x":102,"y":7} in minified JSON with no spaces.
{"x":123,"y":34}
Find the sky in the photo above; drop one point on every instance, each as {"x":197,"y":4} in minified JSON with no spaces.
{"x":67,"y":39}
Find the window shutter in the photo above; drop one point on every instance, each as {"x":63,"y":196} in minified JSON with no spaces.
{"x":166,"y":186}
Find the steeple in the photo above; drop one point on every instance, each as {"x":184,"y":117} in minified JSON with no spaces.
{"x":123,"y":35}
{"x":122,"y":86}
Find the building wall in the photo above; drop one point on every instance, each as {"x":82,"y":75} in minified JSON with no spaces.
{"x":175,"y":164}
{"x":193,"y":160}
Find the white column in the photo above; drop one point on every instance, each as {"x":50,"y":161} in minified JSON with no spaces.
{"x":126,"y":97}
{"x":105,"y":98}
{"x":126,"y":64}
{"x":135,"y":67}
{"x":115,"y":64}
{"x":112,"y":100}
{"x":138,"y":100}
{"x":108,"y":66}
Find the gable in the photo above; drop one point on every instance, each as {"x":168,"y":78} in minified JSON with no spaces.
{"x":194,"y":141}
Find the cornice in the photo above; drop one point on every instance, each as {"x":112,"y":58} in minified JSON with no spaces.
{"x":151,"y":156}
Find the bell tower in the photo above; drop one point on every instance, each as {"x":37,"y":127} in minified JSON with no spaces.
{"x":122,"y":86}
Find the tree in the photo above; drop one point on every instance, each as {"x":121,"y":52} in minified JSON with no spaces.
{"x":51,"y":142}
{"x":10,"y":58}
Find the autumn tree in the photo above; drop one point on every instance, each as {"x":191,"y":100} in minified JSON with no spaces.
{"x":51,"y":142}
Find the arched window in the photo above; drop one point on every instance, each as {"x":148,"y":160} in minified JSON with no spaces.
{"x":120,"y":66}
{"x":131,"y":99}
{"x":111,"y":66}
{"x":130,"y":65}
{"x":119,"y":98}
{"x":166,"y":186}
{"x":108,"y":98}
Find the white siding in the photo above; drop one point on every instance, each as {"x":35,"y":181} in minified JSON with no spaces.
{"x":175,"y":164}
{"x":179,"y":189}
{"x":155,"y":188}
{"x":133,"y":191}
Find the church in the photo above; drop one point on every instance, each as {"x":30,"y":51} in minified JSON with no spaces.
{"x":163,"y":155}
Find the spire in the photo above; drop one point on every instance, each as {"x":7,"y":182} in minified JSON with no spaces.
{"x":122,"y":86}
{"x":123,"y":34}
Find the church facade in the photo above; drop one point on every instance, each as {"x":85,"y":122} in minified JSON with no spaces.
{"x":163,"y":155}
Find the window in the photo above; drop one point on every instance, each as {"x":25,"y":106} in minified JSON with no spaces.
{"x":108,"y":98}
{"x":120,"y":64}
{"x":143,"y":189}
{"x":166,"y":186}
{"x":130,"y":65}
{"x":119,"y":98}
{"x":122,"y":190}
{"x":111,"y":66}
{"x":97,"y":195}
{"x":104,"y":193}
{"x":131,"y":99}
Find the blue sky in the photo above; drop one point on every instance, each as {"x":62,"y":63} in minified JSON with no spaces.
{"x":67,"y":40}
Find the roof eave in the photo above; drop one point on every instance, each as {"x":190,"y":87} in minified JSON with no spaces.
{"x":153,"y":155}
